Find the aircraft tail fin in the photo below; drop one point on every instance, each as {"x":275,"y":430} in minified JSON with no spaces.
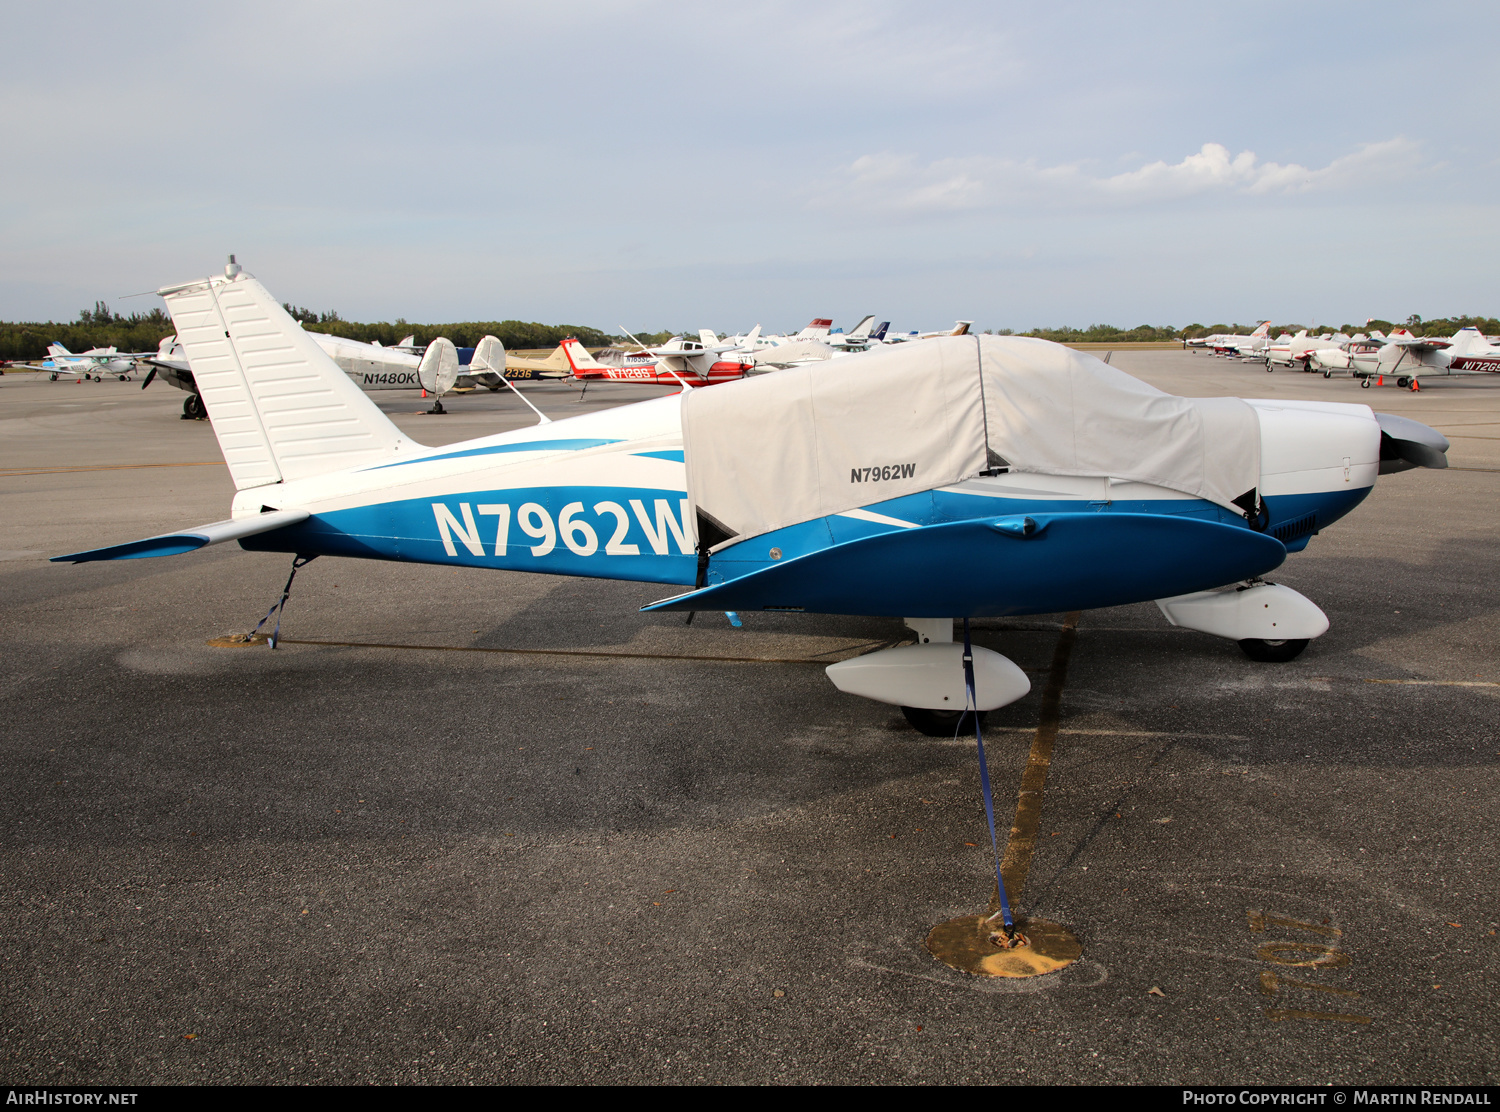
{"x":55,"y":349}
{"x":708,"y":337}
{"x":1263,"y":330}
{"x":880,"y":330}
{"x":578,"y":356}
{"x":861,"y":330}
{"x":816,"y":329}
{"x":961,"y":328}
{"x":438,"y":370}
{"x":488,"y":356}
{"x":281,"y":409}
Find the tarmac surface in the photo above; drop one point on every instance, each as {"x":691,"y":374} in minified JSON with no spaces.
{"x":337,"y":863}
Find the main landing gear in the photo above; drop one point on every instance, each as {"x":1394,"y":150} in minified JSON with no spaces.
{"x":193,"y":409}
{"x":926,"y":680}
{"x":943,"y":723}
{"x":1273,"y":652}
{"x":1271,"y":623}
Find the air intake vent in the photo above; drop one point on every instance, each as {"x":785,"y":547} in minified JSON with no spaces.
{"x":1302,"y":526}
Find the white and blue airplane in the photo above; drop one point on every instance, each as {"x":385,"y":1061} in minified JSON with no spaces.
{"x":960,"y":477}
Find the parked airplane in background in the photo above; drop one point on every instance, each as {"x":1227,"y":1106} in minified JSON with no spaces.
{"x":370,"y":366}
{"x":859,"y":338}
{"x":1222,"y":343}
{"x":555,"y":365}
{"x":1286,"y":350}
{"x":1406,"y":359}
{"x":804,"y":493}
{"x":92,"y":364}
{"x":960,"y":328}
{"x":679,"y":362}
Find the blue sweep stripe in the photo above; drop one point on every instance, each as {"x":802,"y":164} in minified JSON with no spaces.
{"x":498,"y":449}
{"x":674,"y":454}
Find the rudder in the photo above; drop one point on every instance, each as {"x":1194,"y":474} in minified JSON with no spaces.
{"x":281,"y":409}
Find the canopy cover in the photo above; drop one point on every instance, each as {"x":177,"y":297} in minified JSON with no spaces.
{"x":804,"y":443}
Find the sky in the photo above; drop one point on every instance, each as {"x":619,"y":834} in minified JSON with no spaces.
{"x":629,"y":163}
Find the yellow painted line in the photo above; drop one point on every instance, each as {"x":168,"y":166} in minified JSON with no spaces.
{"x":1020,"y":847}
{"x":105,"y":467}
{"x":1440,"y":683}
{"x":1490,"y":470}
{"x":862,"y":650}
{"x":1298,"y":1013}
{"x":1123,"y":733}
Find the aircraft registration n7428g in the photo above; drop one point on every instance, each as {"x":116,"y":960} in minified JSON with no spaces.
{"x":951,"y":478}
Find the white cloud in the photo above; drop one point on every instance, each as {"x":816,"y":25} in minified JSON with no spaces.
{"x":899,"y":183}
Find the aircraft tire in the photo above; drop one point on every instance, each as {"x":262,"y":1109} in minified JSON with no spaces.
{"x":942,"y":723}
{"x":1364,"y":384}
{"x":54,"y":378}
{"x":192,"y":408}
{"x":1273,"y":652}
{"x":1403,"y":382}
{"x":1328,"y":373}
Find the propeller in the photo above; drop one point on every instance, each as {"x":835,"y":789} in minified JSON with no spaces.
{"x":1405,"y":444}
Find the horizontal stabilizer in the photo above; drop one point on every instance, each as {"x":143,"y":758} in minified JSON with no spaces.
{"x":189,"y":540}
{"x":1040,"y":564}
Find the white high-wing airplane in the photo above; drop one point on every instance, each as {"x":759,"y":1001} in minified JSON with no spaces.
{"x":679,"y":362}
{"x":93,"y":364}
{"x":1027,"y":478}
{"x":1407,"y":359}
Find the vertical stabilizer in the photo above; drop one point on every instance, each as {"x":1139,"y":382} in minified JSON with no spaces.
{"x":281,"y":408}
{"x":578,"y":356}
{"x":489,"y":355}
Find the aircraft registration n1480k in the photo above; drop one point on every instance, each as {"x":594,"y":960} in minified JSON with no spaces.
{"x":959,"y":477}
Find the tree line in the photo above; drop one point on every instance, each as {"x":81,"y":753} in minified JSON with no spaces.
{"x":101,"y":327}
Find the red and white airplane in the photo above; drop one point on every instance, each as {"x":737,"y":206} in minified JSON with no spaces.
{"x":676,"y":363}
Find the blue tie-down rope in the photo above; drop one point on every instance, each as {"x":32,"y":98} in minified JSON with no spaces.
{"x":984,"y":776}
{"x":280,"y":604}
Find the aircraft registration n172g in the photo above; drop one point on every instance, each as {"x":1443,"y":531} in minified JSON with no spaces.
{"x":959,"y":477}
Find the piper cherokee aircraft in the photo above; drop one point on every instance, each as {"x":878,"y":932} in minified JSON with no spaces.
{"x":964,"y":476}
